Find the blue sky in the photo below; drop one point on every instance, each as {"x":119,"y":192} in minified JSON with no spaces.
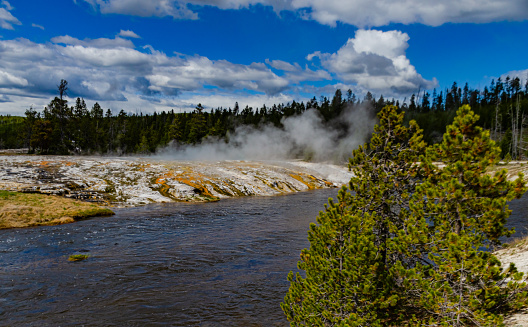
{"x":159,"y":55}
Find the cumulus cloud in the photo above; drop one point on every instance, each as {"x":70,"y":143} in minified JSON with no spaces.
{"x":375,"y":60}
{"x":361,"y":13}
{"x":283,"y":65}
{"x":100,"y":43}
{"x":178,"y":9}
{"x":6,"y":18}
{"x":37,"y":26}
{"x":9,"y":80}
{"x":128,"y":33}
{"x":4,"y":98}
{"x":113,"y":70}
{"x":7,"y":5}
{"x":295,"y":73}
{"x":190,"y":73}
{"x":157,"y":8}
{"x":521,"y":74}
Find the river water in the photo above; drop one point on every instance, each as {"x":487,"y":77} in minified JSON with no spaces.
{"x":179,"y":264}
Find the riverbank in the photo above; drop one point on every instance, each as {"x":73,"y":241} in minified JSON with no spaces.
{"x":516,"y":252}
{"x":27,"y":210}
{"x":137,"y":181}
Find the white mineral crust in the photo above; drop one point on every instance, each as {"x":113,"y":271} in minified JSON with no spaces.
{"x":136,"y":181}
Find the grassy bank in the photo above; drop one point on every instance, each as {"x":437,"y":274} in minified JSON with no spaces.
{"x":26,"y":210}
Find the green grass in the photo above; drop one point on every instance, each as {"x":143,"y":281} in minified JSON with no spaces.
{"x":4,"y":195}
{"x":28,"y":209}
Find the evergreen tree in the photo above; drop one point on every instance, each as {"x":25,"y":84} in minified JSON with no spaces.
{"x":81,"y":126}
{"x":41,"y":138}
{"x":198,"y":128}
{"x":466,"y":209}
{"x":411,"y":243}
{"x":29,"y":126}
{"x":351,"y":263}
{"x":337,"y":104}
{"x":425,"y":102}
{"x":176,"y":129}
{"x":143,"y":146}
{"x":96,"y":115}
{"x":412,"y":103}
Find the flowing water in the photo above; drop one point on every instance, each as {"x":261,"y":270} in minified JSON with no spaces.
{"x":178,"y":264}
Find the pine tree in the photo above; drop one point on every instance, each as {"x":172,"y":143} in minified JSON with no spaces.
{"x":198,"y":128}
{"x":466,"y":208}
{"x":29,"y":127}
{"x":143,"y":146}
{"x":175,"y":130}
{"x":354,"y":249}
{"x":410,"y":241}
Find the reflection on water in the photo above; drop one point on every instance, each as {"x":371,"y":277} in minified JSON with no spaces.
{"x":211,"y":264}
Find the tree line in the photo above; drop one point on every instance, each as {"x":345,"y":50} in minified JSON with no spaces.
{"x":62,"y":128}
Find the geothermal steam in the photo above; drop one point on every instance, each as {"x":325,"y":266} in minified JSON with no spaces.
{"x":302,"y":137}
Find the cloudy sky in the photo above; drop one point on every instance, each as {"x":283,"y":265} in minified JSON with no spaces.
{"x":145,"y":56}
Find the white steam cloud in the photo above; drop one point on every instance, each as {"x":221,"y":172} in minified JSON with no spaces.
{"x":303,"y":137}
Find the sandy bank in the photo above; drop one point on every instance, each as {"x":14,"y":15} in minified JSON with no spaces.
{"x":518,"y":254}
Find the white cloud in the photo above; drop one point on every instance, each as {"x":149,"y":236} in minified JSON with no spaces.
{"x":195,"y":71}
{"x":128,"y":33}
{"x":7,"y":5}
{"x":113,"y":58}
{"x":115,"y":72}
{"x":367,"y":13}
{"x":308,"y":75}
{"x":295,"y":73}
{"x":95,"y":43}
{"x":387,"y":44}
{"x":104,"y":70}
{"x":37,"y":26}
{"x":283,"y":65}
{"x":375,"y":60}
{"x":158,"y":8}
{"x":521,"y":74}
{"x":9,"y":80}
{"x":361,"y":13}
{"x":178,"y":9}
{"x":4,"y":98}
{"x":6,"y":18}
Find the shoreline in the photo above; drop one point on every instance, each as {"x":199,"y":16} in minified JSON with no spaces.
{"x":130,"y":181}
{"x":515,"y":252}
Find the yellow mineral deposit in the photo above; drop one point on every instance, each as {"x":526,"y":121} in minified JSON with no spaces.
{"x":137,"y":181}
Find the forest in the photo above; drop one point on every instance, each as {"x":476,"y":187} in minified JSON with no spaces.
{"x":63,"y":128}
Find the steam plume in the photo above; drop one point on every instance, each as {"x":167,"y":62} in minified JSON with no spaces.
{"x":303,"y":137}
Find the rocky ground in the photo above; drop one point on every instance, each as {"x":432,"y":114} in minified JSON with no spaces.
{"x":518,"y":254}
{"x":135,"y":181}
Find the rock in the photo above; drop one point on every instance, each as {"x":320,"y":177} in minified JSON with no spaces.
{"x":137,"y":181}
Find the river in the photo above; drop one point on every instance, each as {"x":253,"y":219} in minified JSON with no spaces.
{"x":175,"y":264}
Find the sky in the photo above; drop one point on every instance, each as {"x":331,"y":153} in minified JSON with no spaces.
{"x":156,"y":55}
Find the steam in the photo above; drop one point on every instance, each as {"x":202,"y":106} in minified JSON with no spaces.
{"x":303,"y":137}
